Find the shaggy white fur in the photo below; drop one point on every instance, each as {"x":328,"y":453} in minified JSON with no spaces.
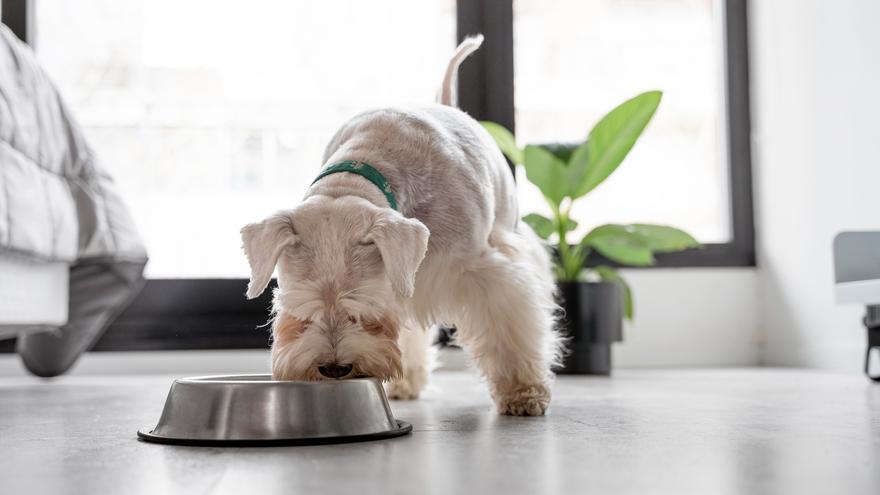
{"x":359,"y":283}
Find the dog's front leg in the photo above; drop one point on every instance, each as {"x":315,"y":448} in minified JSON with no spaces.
{"x":417,"y":360}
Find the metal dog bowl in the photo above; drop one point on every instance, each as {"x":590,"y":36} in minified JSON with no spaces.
{"x":256,"y":410}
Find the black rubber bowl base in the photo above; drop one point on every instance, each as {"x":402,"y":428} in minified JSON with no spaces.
{"x":403,"y":428}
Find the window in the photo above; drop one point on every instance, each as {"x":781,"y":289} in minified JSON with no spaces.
{"x":602,"y":52}
{"x":214,"y":113}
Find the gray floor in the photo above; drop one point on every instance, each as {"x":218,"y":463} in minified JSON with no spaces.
{"x":701,"y":431}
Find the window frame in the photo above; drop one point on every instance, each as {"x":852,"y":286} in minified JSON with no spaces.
{"x":188,"y":314}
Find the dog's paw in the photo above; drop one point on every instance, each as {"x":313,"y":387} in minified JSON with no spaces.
{"x":402,"y":389}
{"x":408,"y":386}
{"x":528,"y":401}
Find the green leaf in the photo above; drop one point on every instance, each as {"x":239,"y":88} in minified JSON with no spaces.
{"x":571,"y":225}
{"x":545,"y":171}
{"x":542,"y":225}
{"x":560,"y":150}
{"x":663,"y":239}
{"x":578,"y":165}
{"x":505,"y":141}
{"x":614,"y":136}
{"x":619,"y":243}
{"x":608,"y":274}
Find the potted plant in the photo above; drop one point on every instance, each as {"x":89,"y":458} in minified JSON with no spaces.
{"x":594,"y":299}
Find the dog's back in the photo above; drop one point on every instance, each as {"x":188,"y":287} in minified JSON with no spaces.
{"x":446,"y":170}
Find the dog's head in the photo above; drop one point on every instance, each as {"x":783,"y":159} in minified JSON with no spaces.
{"x":344,"y":267}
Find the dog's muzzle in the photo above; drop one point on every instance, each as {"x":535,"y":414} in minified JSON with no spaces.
{"x":335,"y":370}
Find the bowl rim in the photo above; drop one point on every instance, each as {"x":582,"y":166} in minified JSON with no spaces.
{"x":266,"y":379}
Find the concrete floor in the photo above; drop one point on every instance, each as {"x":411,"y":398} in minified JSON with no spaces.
{"x":738,"y":431}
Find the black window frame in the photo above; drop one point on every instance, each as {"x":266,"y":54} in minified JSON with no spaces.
{"x":179,"y":314}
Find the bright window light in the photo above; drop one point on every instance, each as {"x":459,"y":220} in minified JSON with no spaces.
{"x":214,"y":113}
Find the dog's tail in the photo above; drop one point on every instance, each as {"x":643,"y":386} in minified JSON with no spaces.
{"x":450,"y":79}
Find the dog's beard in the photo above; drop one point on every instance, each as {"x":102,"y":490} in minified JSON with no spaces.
{"x":301,"y":346}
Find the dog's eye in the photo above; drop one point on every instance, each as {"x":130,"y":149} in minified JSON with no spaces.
{"x":352,"y":319}
{"x":366,"y":242}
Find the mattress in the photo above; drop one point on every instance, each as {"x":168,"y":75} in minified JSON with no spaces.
{"x":32,"y":293}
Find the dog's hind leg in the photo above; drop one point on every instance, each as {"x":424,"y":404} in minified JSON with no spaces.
{"x":507,"y":322}
{"x":418,"y":360}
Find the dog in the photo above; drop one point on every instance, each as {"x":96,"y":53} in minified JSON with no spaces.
{"x":413,"y":222}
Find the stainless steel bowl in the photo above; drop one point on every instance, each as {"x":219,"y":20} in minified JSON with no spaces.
{"x":256,"y":410}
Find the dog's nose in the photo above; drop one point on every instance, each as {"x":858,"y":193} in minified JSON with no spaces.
{"x":335,"y":370}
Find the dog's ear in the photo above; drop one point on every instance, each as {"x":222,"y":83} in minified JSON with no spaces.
{"x":263,"y":243}
{"x":402,"y":242}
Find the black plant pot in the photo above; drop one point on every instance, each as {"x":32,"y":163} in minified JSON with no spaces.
{"x":592,"y":321}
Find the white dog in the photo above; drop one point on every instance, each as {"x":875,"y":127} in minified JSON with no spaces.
{"x":413,"y":222}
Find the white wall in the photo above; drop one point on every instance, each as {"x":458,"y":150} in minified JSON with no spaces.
{"x":816,"y":103}
{"x":691,"y":317}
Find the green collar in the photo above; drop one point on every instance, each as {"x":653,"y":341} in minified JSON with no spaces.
{"x":365,"y":171}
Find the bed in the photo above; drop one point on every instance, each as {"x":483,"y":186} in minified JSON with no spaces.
{"x":70,"y":256}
